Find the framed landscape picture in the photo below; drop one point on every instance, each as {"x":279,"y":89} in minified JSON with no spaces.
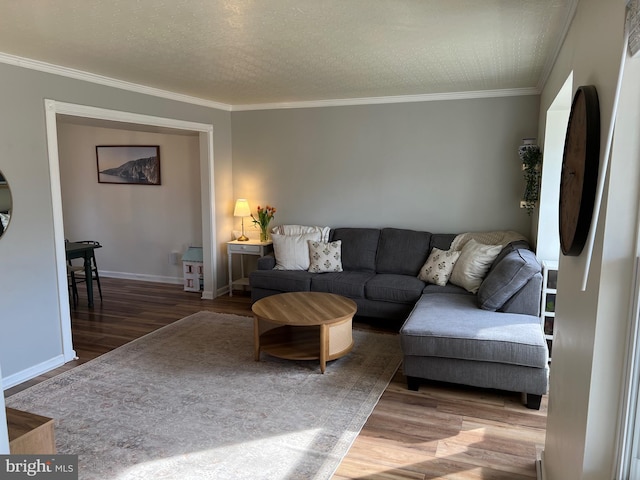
{"x":133,"y":164}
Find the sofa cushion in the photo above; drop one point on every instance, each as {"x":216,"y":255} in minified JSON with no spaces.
{"x":282,"y":280}
{"x":508,"y":248}
{"x":506,"y":278}
{"x":402,"y":252}
{"x":387,"y":287}
{"x":325,"y":256}
{"x":448,"y":288}
{"x":292,"y":251}
{"x":452,"y":326}
{"x":473,"y":264}
{"x":442,"y":240}
{"x":267,"y":262}
{"x":438,"y":267}
{"x":359,"y":246}
{"x":350,"y":284}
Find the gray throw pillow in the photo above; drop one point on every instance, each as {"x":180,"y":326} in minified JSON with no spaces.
{"x":506,"y":278}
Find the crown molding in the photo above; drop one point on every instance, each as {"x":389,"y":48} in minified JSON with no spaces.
{"x":551,"y":60}
{"x":341,"y":102}
{"x":107,"y":81}
{"x":431,"y":97}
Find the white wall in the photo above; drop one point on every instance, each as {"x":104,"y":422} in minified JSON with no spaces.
{"x":590,"y":326}
{"x":444,"y":166}
{"x":545,"y":223}
{"x":30,"y":333}
{"x":138,"y":225}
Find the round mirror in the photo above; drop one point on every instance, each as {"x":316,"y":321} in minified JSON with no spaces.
{"x":5,"y":204}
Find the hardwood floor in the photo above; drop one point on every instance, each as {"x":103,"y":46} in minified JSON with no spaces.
{"x":441,"y":431}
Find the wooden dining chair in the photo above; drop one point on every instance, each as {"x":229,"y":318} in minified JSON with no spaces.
{"x":71,"y":279}
{"x":77,"y":273}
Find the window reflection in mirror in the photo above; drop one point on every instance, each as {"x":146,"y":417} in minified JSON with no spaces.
{"x":5,"y":204}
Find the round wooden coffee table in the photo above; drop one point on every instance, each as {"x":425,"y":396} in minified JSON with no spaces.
{"x":303,"y":326}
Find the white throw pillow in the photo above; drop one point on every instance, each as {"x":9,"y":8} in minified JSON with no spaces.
{"x":300,"y":229}
{"x":438,"y":267}
{"x":325,"y":256}
{"x":473,"y":264}
{"x":292,"y":251}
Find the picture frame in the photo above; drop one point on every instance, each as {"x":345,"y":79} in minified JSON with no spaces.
{"x":128,"y":164}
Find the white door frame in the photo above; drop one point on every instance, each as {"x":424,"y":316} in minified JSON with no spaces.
{"x":52,"y":108}
{"x":4,"y":428}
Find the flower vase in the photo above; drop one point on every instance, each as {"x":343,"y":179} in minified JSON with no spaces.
{"x":264,"y":233}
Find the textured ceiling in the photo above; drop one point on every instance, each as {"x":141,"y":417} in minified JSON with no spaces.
{"x":241,"y":52}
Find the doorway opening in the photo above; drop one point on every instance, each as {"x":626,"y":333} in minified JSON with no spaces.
{"x":205,"y":132}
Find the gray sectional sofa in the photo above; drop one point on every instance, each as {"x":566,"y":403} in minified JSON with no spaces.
{"x":491,"y":339}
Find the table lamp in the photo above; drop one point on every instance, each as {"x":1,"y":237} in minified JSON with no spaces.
{"x":242,"y":210}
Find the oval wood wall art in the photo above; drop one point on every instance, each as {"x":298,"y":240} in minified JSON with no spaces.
{"x":579,"y":176}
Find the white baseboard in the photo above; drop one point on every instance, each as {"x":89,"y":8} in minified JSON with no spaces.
{"x":32,"y":372}
{"x":143,"y":277}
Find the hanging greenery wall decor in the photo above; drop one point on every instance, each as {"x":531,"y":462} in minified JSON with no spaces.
{"x":531,"y":157}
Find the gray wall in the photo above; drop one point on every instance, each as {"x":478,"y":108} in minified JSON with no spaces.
{"x":30,"y":318}
{"x":444,"y":166}
{"x":138,"y":225}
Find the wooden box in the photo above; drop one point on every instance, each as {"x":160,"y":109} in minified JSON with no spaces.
{"x":30,"y":434}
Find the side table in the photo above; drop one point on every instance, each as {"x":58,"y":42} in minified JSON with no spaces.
{"x":249,"y":247}
{"x":548,"y":304}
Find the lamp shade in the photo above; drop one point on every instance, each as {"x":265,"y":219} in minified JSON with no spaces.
{"x":242,"y":208}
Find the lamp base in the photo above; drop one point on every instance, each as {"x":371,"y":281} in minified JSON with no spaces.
{"x":242,"y":238}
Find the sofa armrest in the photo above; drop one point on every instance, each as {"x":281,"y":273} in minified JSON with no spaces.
{"x":527,"y":300}
{"x":267,"y":262}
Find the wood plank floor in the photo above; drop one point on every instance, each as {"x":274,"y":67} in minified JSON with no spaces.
{"x":442,"y":431}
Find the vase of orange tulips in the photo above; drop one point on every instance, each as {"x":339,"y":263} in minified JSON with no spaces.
{"x":265,"y":215}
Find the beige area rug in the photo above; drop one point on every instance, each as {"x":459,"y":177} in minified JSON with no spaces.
{"x":189,"y":402}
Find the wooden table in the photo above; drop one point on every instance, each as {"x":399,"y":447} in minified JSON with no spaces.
{"x":84,"y":251}
{"x":303,"y":326}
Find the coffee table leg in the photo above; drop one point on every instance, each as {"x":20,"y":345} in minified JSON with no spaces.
{"x":324,"y":347}
{"x":256,"y":339}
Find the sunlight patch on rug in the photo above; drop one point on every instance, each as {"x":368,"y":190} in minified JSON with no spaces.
{"x":296,"y":444}
{"x":189,"y":402}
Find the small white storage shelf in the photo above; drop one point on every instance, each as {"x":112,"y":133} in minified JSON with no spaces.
{"x":548,"y":303}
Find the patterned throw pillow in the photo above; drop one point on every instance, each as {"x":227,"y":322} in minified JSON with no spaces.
{"x":325,"y":256}
{"x":438,"y":267}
